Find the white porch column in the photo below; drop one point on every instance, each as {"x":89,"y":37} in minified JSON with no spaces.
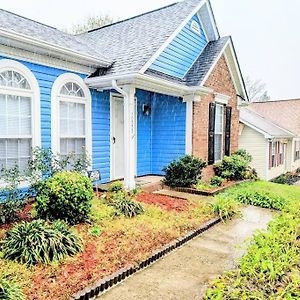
{"x":189,"y":100}
{"x":129,"y":137}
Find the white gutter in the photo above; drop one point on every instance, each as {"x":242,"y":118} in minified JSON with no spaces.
{"x":46,"y":46}
{"x":146,"y":81}
{"x":115,"y":86}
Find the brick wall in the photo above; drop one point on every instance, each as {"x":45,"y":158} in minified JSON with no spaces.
{"x":220,"y":81}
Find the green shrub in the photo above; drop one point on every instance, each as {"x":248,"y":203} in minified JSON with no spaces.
{"x":282,"y":179}
{"x":116,"y":187}
{"x":40,"y":242}
{"x":232,"y":167}
{"x":184,"y":172}
{"x":216,"y":181}
{"x":244,"y":154}
{"x":261,"y":199}
{"x":226,"y":207}
{"x":270,"y":269}
{"x":9,"y":210}
{"x":9,"y":290}
{"x":66,"y":196}
{"x":124,"y":204}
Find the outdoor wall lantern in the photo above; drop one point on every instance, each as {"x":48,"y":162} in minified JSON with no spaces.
{"x":146,"y":109}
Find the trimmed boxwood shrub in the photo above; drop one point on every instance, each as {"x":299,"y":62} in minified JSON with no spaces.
{"x":66,"y":196}
{"x":40,"y":242}
{"x":184,"y":172}
{"x":9,"y":290}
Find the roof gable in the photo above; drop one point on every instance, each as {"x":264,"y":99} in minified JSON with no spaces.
{"x":180,"y":55}
{"x":134,"y":44}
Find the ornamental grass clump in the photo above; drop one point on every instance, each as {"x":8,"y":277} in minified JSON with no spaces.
{"x":40,"y":242}
{"x":184,"y":172}
{"x":226,"y":208}
{"x":123,"y":201}
{"x":66,"y":196}
{"x":9,"y":290}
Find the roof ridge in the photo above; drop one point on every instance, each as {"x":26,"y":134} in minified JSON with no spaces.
{"x":131,"y":18}
{"x":279,"y":100}
{"x":26,"y":18}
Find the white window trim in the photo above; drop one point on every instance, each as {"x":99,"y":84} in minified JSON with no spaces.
{"x":55,"y":92}
{"x":34,"y":93}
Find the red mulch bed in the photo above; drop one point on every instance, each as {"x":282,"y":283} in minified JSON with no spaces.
{"x":164,"y":202}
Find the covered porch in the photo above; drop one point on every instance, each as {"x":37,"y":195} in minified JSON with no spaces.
{"x":150,"y":124}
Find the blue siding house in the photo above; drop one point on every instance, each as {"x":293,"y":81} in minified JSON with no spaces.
{"x":126,"y":91}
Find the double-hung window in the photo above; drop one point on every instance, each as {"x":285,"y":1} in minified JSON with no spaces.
{"x":71,"y":116}
{"x":16,"y":119}
{"x":72,"y":119}
{"x":219,"y":131}
{"x":297,"y":150}
{"x":273,"y":155}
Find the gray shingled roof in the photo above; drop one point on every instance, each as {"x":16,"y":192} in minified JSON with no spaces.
{"x":22,"y":25}
{"x":257,"y":121}
{"x":200,"y":68}
{"x":131,"y":43}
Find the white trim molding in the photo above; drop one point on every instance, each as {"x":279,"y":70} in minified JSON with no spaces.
{"x":12,"y":65}
{"x":55,"y":128}
{"x":222,"y":99}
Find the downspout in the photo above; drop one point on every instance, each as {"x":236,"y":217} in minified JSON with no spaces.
{"x":118,"y":89}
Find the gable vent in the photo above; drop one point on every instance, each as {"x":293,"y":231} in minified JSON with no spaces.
{"x":195,"y":27}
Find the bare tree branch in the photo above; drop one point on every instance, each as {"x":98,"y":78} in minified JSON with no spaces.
{"x":90,"y":23}
{"x":256,"y":90}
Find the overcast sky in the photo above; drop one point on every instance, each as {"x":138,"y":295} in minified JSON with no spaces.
{"x":265,"y":32}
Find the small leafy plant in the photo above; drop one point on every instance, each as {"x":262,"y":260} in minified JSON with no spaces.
{"x":216,"y":181}
{"x":13,"y":197}
{"x":40,"y":242}
{"x":9,"y":290}
{"x":184,"y":172}
{"x":66,"y":196}
{"x":203,"y":186}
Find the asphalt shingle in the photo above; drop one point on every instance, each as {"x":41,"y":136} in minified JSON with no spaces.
{"x":22,"y":25}
{"x":258,"y":121}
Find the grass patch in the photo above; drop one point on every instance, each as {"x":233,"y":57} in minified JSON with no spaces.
{"x":271,"y":267}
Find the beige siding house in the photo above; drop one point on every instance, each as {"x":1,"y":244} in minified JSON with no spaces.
{"x":271,"y":146}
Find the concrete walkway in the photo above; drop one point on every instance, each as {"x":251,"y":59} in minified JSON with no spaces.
{"x":185,"y":273}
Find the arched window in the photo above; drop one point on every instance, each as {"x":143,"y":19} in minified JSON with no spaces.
{"x":19,"y":114}
{"x":71,"y":120}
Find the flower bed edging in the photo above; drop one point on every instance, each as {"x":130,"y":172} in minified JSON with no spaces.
{"x":208,"y":193}
{"x":104,"y":284}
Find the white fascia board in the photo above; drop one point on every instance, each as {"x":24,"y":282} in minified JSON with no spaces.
{"x":171,"y":38}
{"x":221,"y":98}
{"x":47,"y":47}
{"x":147,"y":82}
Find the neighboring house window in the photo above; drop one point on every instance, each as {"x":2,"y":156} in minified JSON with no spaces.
{"x":281,"y":145}
{"x":19,"y":114}
{"x":273,"y":155}
{"x":297,"y":150}
{"x":71,"y":116}
{"x":219,"y":131}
